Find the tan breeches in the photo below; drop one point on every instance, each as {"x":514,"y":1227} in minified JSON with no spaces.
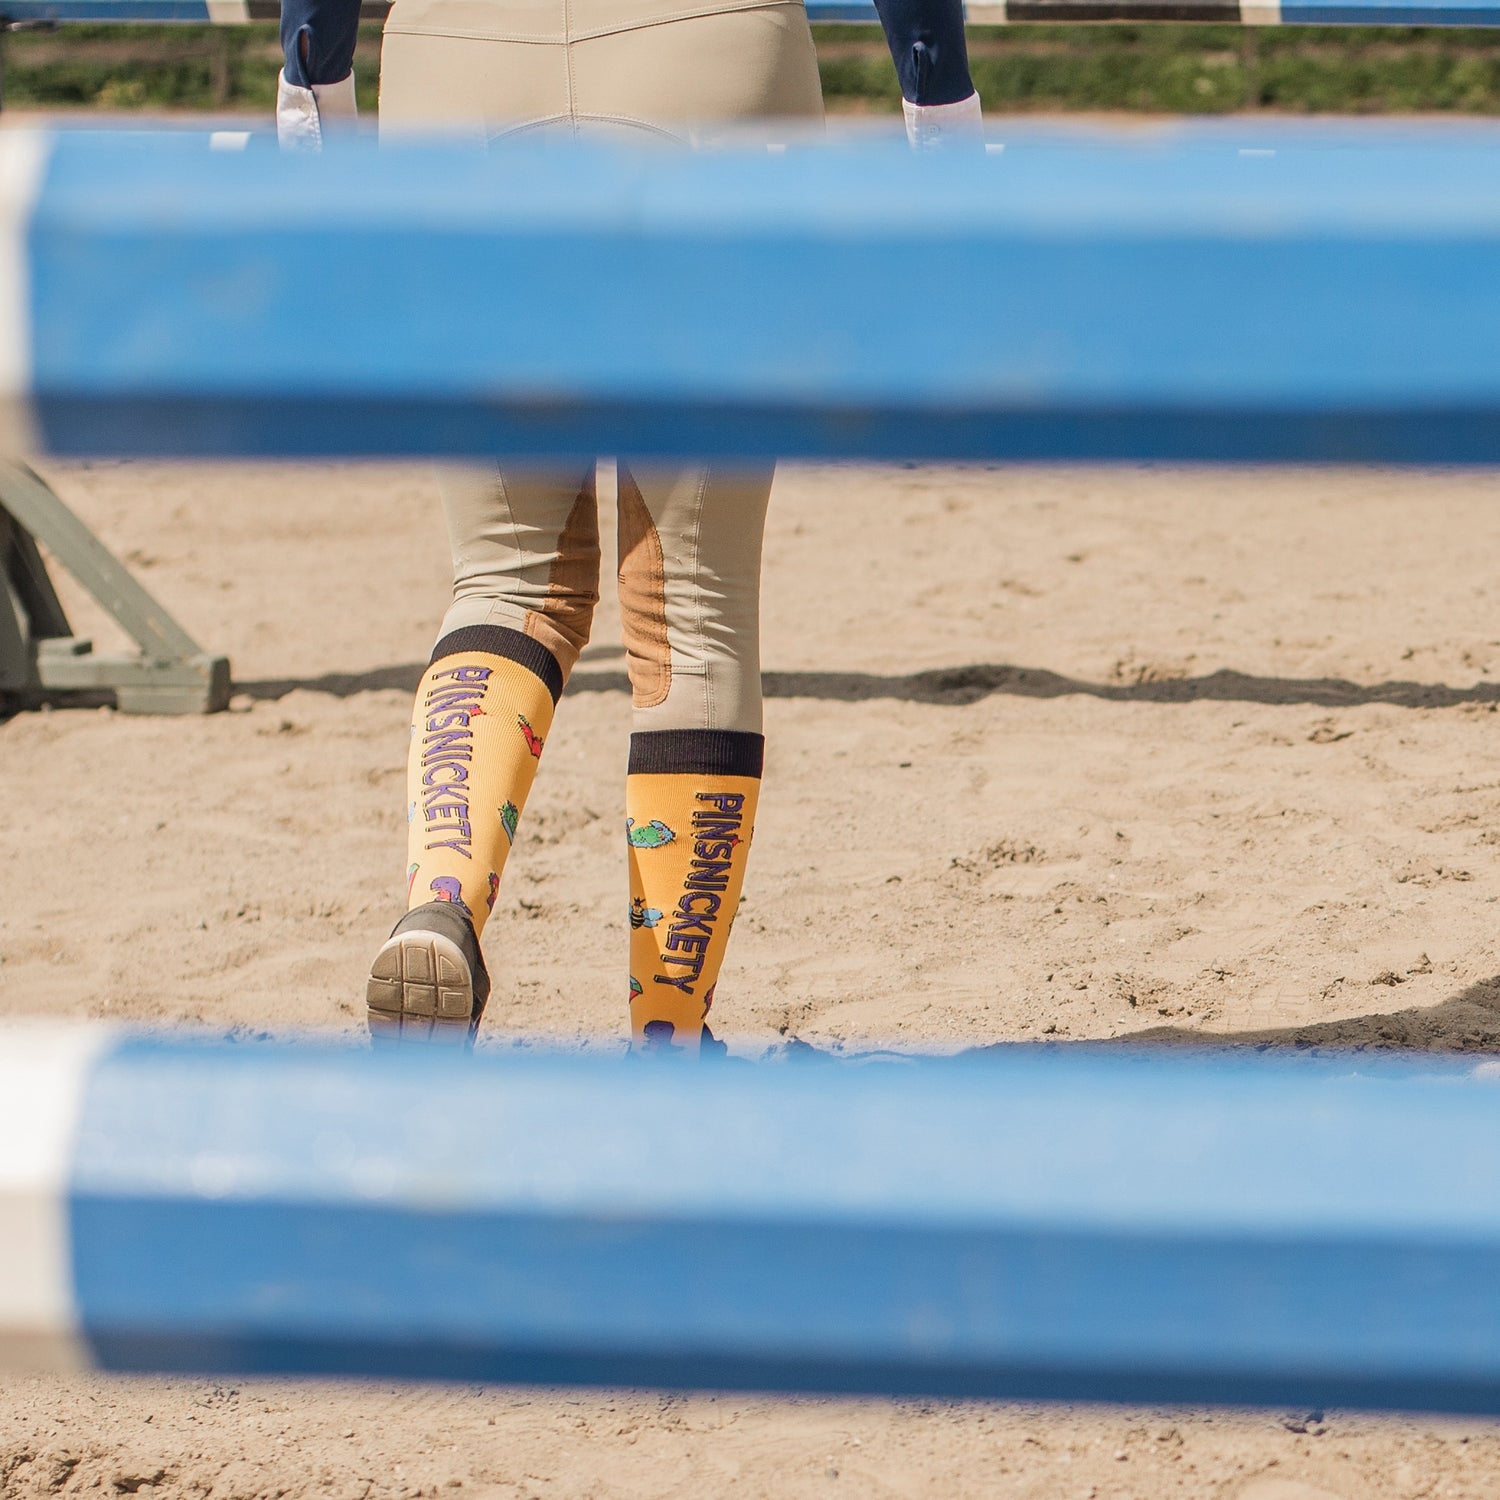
{"x":526,"y":555}
{"x":526,"y":541}
{"x":677,"y":68}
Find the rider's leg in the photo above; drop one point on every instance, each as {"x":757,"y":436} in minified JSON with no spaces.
{"x":690,"y":546}
{"x":526,"y":570}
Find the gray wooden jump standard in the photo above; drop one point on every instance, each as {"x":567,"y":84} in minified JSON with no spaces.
{"x":39,"y":652}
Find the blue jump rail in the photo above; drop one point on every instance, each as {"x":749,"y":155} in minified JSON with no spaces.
{"x":985,"y":13}
{"x":1039,"y":1225}
{"x":1316,"y":295}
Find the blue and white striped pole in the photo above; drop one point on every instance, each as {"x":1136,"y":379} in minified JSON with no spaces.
{"x":43,"y":1071}
{"x":1328,"y":295}
{"x":1035,"y":1224}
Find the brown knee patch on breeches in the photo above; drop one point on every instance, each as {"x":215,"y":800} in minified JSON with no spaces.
{"x":643,"y":599}
{"x":562,"y":623}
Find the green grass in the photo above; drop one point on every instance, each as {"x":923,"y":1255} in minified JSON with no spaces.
{"x":1159,"y":69}
{"x":1196,"y":69}
{"x":158,"y":67}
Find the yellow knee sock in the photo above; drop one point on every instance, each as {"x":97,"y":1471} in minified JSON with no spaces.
{"x":483,"y":709}
{"x":690,"y":802}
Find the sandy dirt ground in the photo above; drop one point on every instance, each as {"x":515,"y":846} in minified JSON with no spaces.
{"x":1053,"y":755}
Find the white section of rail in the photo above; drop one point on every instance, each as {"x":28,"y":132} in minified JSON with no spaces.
{"x":43,"y":1069}
{"x":23,"y":161}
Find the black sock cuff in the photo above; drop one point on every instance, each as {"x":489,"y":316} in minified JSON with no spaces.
{"x":697,"y":752}
{"x":501,"y":640}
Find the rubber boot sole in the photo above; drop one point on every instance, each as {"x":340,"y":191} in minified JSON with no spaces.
{"x":420,"y":990}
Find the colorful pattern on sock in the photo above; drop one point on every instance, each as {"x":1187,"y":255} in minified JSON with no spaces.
{"x":690,"y":802}
{"x":483,"y":710}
